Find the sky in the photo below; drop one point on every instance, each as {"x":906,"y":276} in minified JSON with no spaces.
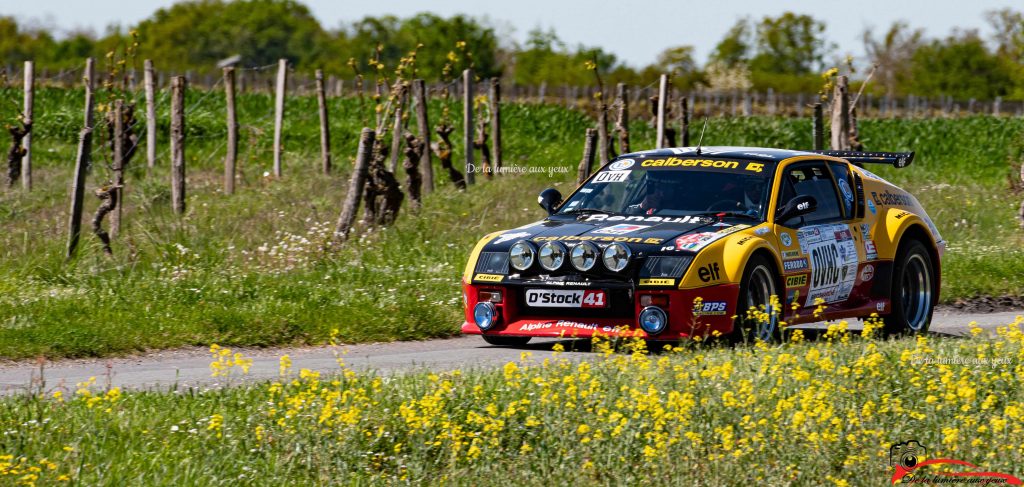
{"x":634,"y":31}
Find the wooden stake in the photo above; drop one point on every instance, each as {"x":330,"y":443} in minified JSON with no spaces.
{"x":26,"y":143}
{"x":495,"y":96}
{"x":426,"y":166}
{"x":587,"y":162}
{"x":325,"y":129}
{"x":684,"y":122}
{"x":81,"y":164}
{"x":178,"y":144}
{"x":602,"y":131}
{"x":355,"y":185}
{"x":622,"y":118}
{"x":282,"y":77}
{"x":467,"y":123}
{"x":231,"y":156}
{"x":118,"y":166}
{"x":841,"y":115}
{"x":147,"y":81}
{"x":662,"y":97}
{"x":818,"y":129}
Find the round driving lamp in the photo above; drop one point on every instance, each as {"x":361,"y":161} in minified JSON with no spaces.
{"x":551,"y":255}
{"x":616,"y":257}
{"x":584,"y":256}
{"x":521,"y":255}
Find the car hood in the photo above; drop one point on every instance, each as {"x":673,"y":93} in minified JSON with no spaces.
{"x":643,"y":232}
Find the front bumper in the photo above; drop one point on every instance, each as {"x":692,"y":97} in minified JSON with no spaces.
{"x":691,"y":312}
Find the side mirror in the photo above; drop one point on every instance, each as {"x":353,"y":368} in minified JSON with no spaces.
{"x":549,"y":199}
{"x":798,"y":206}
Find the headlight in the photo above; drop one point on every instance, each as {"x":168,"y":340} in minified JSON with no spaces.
{"x":484,"y":314}
{"x":521,"y":255}
{"x":584,"y":256}
{"x":551,"y":255}
{"x":616,"y":257}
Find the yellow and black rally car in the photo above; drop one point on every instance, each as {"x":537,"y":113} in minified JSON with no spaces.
{"x":675,"y":243}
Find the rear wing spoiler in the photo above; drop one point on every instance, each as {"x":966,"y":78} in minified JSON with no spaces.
{"x":898,"y":160}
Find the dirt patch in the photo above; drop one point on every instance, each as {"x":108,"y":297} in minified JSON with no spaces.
{"x":984,"y":304}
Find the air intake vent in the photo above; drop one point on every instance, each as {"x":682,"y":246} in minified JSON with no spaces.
{"x":492,"y":263}
{"x":859,"y":183}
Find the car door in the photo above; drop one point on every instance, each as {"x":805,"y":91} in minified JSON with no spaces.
{"x":819,"y":251}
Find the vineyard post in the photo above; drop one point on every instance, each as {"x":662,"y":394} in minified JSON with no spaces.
{"x":147,"y":81}
{"x":841,"y":115}
{"x":602,"y":130}
{"x":684,"y":124}
{"x":662,"y":97}
{"x":622,"y":119}
{"x":467,"y":123}
{"x":231,"y":156}
{"x":355,"y":185}
{"x":118,"y":166}
{"x":178,"y":144}
{"x":396,"y":132}
{"x":587,"y":162}
{"x":496,"y":119}
{"x":81,"y":164}
{"x":426,"y":166}
{"x":818,"y":129}
{"x":26,"y":143}
{"x":282,"y":76}
{"x":325,"y":130}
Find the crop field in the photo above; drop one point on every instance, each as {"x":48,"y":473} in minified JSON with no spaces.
{"x":254,"y":268}
{"x":800,"y":413}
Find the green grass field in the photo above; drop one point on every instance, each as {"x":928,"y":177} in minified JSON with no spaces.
{"x":252,"y":268}
{"x":800,"y":413}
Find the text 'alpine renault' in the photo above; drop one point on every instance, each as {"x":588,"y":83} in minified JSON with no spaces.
{"x":676,"y":243}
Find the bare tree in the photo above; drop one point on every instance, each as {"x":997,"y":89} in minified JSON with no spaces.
{"x":892,"y":52}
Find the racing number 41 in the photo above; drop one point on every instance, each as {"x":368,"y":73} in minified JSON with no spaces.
{"x":593,"y":299}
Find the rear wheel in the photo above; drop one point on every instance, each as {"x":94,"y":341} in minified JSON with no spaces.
{"x":913,"y":288}
{"x":503,"y":341}
{"x":756,"y":290}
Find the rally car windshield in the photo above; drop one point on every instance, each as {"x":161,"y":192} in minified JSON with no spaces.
{"x":686,"y":188}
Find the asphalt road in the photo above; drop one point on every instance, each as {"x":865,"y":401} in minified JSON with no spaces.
{"x":191,"y":367}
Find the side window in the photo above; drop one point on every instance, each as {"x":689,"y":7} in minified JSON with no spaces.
{"x":844,"y":180}
{"x":813,"y":180}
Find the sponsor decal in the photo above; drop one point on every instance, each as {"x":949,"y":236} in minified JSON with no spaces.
{"x":677,"y":162}
{"x":696,"y":241}
{"x":621,"y":165}
{"x":599,"y":238}
{"x":790,"y":254}
{"x":870,"y":252}
{"x":657,"y":282}
{"x":792,"y":296}
{"x":611,"y":177}
{"x":901,"y":215}
{"x":488,"y":277}
{"x":710,"y":272}
{"x":620,"y":229}
{"x":762,"y":230}
{"x":587,"y":190}
{"x":807,"y":236}
{"x":507,"y":237}
{"x":710,"y":308}
{"x":796,"y":281}
{"x":795,"y":264}
{"x":871,"y":206}
{"x":888,"y":198}
{"x":645,"y":219}
{"x":732,"y":229}
{"x":843,"y":235}
{"x":755,"y":166}
{"x":908,"y":458}
{"x":844,"y":187}
{"x":833,"y":268}
{"x":745,"y":240}
{"x":556,"y":298}
{"x":880,"y":306}
{"x":722,"y":224}
{"x":867,"y":273}
{"x":786,"y":239}
{"x":865,"y":229}
{"x":547,"y":325}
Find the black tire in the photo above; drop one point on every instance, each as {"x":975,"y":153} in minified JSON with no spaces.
{"x":503,"y":341}
{"x":913,"y":291}
{"x":758,"y":284}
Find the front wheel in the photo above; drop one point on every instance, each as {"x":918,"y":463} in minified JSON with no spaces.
{"x":503,"y":341}
{"x":913,"y":288}
{"x":755,"y":316}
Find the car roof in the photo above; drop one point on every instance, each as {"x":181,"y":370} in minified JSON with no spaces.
{"x":756,"y":153}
